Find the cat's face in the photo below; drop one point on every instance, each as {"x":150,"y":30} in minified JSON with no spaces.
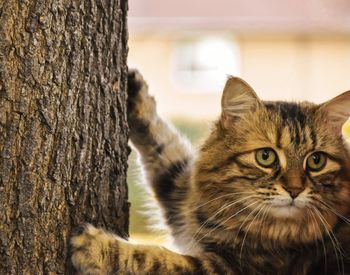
{"x":279,"y":168}
{"x":294,"y":160}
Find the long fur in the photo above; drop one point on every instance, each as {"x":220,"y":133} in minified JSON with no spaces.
{"x":227,"y":213}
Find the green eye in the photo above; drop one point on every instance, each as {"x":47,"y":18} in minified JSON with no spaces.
{"x":316,"y":161}
{"x":266,"y":157}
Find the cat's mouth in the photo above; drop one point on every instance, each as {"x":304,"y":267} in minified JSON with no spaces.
{"x":295,"y":204}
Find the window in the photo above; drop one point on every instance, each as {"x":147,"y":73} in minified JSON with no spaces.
{"x":202,"y":65}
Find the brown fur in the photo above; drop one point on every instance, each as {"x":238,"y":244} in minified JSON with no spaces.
{"x":227,"y":213}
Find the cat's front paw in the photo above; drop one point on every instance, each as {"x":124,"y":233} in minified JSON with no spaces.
{"x":141,"y":106}
{"x":92,"y":250}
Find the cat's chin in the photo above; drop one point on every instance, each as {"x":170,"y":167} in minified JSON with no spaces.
{"x":289,"y":225}
{"x":288,"y":212}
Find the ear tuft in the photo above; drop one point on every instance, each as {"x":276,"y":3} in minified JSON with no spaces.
{"x":238,"y":99}
{"x":337,"y":111}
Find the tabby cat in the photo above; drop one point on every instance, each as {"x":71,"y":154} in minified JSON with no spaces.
{"x":268,"y":192}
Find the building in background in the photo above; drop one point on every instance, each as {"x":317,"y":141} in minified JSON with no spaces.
{"x":291,"y":49}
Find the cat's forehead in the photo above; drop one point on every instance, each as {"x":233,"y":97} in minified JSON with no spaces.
{"x":292,"y":127}
{"x":291,"y":112}
{"x":295,"y":125}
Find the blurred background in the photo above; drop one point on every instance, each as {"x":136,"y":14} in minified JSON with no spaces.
{"x":285,"y":49}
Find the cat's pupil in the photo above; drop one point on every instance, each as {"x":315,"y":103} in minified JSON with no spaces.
{"x":316,"y":158}
{"x":266,"y":154}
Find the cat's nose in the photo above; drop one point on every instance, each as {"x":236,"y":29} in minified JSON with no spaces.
{"x":294,"y":191}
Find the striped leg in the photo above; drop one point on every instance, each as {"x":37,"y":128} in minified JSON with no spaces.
{"x":95,"y":251}
{"x":164,"y":153}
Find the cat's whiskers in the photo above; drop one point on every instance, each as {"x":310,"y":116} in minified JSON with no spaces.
{"x":346,"y":220}
{"x":314,"y":232}
{"x":236,"y":213}
{"x":333,"y":239}
{"x":224,"y":207}
{"x":244,"y":221}
{"x":263,"y":220}
{"x":214,"y":199}
{"x":221,"y":210}
{"x":331,"y":232}
{"x":330,"y":208}
{"x":221,"y":223}
{"x":322,"y":238}
{"x":263,"y":207}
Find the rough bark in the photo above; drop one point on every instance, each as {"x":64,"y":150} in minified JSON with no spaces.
{"x":63,"y":129}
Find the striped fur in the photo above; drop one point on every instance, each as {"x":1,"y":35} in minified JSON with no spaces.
{"x":226,"y":213}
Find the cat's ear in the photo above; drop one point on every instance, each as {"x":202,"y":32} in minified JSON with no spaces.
{"x":337,"y":111}
{"x":237,"y":99}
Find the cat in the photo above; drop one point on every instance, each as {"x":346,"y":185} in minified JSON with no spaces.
{"x":267,"y":193}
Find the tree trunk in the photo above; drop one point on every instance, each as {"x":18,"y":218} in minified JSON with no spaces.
{"x":63,"y":128}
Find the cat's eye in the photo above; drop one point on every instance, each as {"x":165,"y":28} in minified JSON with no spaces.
{"x":316,"y":161}
{"x":266,"y":157}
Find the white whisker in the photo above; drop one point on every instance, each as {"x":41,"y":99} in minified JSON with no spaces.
{"x":247,"y":230}
{"x":322,"y":238}
{"x":335,"y":243}
{"x":214,"y":199}
{"x":223,"y":222}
